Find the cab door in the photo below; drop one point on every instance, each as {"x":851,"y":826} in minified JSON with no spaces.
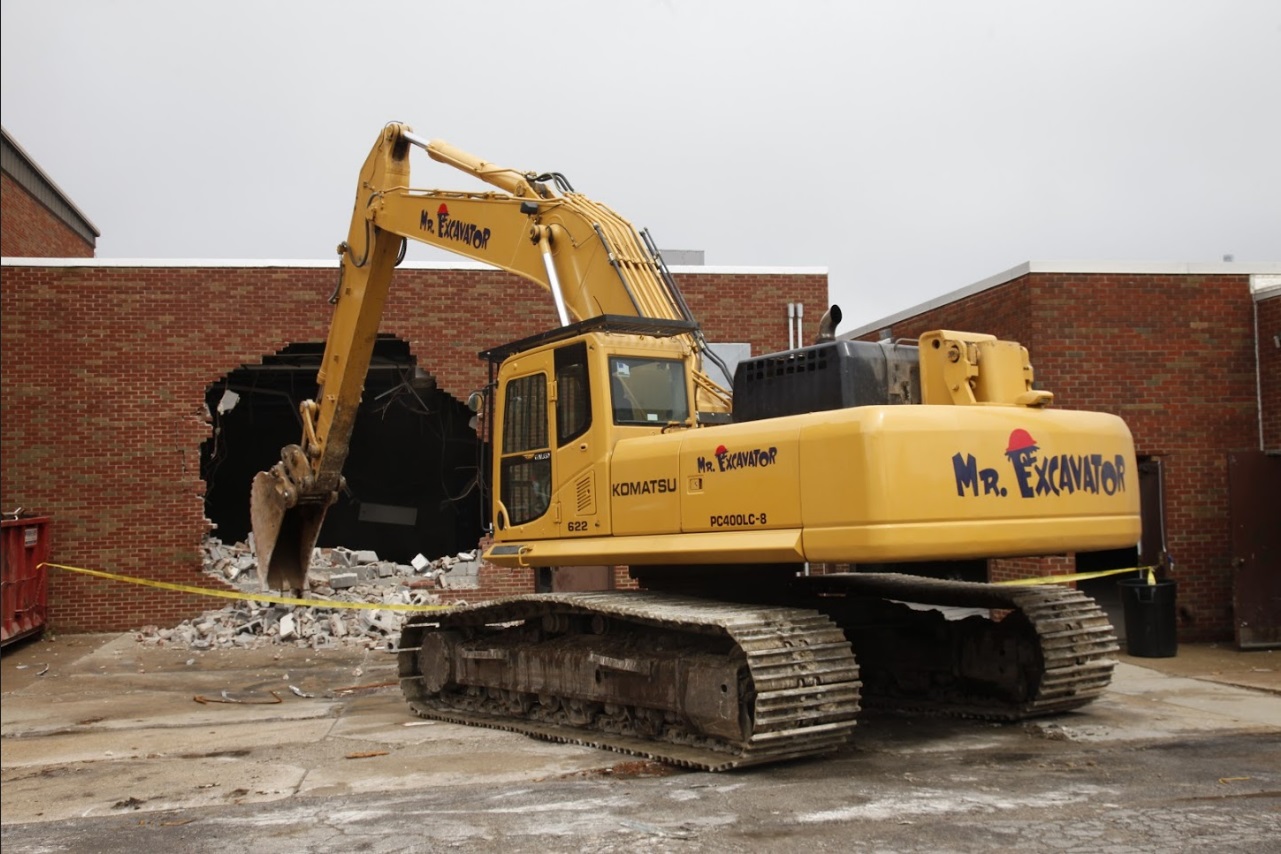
{"x":578,"y":457}
{"x":524,"y":466}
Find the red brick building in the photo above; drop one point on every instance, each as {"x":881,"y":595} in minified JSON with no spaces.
{"x":38,"y":220}
{"x":116,"y":418}
{"x":1190,"y":356}
{"x":114,"y":371}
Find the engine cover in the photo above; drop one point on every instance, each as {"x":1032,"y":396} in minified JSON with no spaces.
{"x":832,"y":375}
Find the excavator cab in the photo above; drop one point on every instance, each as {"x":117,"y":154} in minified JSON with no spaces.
{"x":561,"y":401}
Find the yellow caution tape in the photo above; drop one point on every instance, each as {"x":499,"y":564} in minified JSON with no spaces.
{"x":377,"y":606}
{"x":1081,"y":576}
{"x":252,"y":597}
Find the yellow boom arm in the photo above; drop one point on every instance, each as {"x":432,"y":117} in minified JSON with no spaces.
{"x":592,"y":261}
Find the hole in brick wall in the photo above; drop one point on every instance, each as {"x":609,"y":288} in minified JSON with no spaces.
{"x":411,"y":471}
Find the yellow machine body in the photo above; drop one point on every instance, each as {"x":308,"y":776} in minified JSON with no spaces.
{"x":975,"y":466}
{"x":884,"y":483}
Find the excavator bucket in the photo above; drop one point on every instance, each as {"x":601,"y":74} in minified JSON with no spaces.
{"x":285,"y":527}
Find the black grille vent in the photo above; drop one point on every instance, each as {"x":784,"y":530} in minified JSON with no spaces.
{"x":832,"y":375}
{"x":786,"y":364}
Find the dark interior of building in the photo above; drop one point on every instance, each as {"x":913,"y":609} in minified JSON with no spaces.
{"x":412,"y":471}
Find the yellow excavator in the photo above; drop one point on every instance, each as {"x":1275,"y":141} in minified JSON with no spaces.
{"x":612,"y":446}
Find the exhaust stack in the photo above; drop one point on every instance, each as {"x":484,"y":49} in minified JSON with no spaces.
{"x":827,"y":325}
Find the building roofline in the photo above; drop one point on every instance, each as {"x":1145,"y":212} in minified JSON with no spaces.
{"x":58,"y":198}
{"x":1265,"y":285}
{"x":1141,"y":268}
{"x":197,"y":263}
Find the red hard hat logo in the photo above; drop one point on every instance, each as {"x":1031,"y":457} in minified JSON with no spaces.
{"x":1020,"y":439}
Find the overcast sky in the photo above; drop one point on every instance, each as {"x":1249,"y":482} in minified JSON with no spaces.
{"x":911,"y":148}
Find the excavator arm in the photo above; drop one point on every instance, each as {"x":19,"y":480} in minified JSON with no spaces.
{"x":591,"y":260}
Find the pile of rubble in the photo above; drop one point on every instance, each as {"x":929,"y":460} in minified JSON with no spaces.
{"x":342,"y":569}
{"x":337,"y":575}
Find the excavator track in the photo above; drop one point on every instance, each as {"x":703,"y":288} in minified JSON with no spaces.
{"x":703,"y":684}
{"x":1045,"y":649}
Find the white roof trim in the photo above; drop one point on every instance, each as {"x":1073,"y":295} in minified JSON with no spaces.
{"x":1142,"y":268}
{"x":1265,"y":286}
{"x":693,"y":270}
{"x":196,"y":263}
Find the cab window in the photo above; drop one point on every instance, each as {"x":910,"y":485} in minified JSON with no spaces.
{"x":526,"y":463}
{"x":573,"y":394}
{"x":647,"y":391}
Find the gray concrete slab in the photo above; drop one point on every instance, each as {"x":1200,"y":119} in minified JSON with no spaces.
{"x":111,"y":729}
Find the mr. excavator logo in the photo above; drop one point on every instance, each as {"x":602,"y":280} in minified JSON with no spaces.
{"x":724,"y":459}
{"x":1036,"y":475}
{"x":453,"y":229}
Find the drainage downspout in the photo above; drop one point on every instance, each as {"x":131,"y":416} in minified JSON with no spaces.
{"x":1258,"y":370}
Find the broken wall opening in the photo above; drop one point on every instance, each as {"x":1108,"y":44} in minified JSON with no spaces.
{"x":411,"y":472}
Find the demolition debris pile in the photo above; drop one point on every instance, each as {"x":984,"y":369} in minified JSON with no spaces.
{"x":338,"y":575}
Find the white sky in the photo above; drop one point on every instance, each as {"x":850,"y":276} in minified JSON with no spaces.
{"x":910,"y":147}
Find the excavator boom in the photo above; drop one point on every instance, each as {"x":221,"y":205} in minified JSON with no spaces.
{"x":591,"y":260}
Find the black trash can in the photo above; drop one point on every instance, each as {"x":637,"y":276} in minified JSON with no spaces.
{"x":1150,"y":624}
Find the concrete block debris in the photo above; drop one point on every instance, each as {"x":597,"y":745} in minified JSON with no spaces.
{"x":343,"y":580}
{"x":338,"y":574}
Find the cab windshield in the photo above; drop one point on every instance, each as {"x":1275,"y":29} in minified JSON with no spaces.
{"x":647,"y":391}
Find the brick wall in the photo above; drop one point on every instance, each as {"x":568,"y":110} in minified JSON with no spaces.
{"x":494,"y":582}
{"x":1171,"y":354}
{"x":106,"y":369}
{"x":29,"y":230}
{"x":1269,"y":321}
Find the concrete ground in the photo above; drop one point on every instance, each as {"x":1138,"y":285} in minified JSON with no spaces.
{"x":170,"y":749}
